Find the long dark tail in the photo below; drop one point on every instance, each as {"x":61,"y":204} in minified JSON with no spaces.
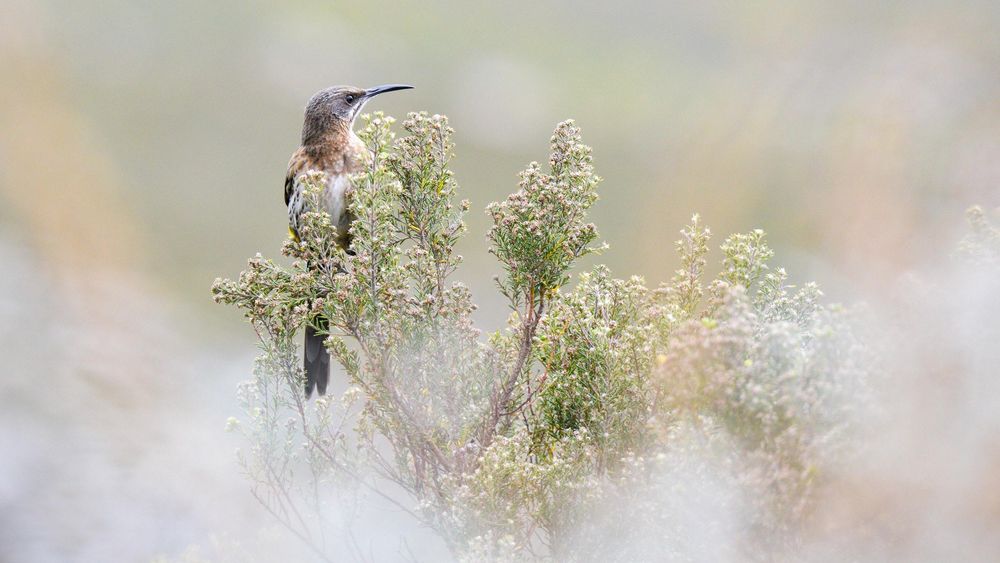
{"x":317,"y":360}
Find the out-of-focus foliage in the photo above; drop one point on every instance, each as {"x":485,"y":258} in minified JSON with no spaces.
{"x":981,"y":245}
{"x":571,"y":433}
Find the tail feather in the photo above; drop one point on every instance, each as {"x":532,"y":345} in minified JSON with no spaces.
{"x":316,"y":362}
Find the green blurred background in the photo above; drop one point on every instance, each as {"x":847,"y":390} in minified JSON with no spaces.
{"x":143,"y":147}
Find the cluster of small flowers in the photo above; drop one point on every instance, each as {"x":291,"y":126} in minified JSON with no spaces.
{"x":595,"y":347}
{"x":541,"y":230}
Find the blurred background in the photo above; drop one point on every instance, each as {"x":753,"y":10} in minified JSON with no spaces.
{"x":143,"y":147}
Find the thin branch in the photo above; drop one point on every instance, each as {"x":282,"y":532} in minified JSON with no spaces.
{"x":501,"y":399}
{"x":315,"y":549}
{"x":360,"y":480}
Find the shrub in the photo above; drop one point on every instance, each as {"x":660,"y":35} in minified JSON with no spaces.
{"x":568,"y":433}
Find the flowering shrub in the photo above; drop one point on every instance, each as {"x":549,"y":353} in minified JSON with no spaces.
{"x":580,"y":430}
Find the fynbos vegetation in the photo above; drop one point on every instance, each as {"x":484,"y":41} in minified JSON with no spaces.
{"x":580,"y":430}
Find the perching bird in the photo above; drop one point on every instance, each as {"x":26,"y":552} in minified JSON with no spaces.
{"x":329,"y":145}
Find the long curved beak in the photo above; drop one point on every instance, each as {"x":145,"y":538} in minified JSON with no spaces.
{"x":372,"y":92}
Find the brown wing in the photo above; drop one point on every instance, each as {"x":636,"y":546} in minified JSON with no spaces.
{"x":298,"y":164}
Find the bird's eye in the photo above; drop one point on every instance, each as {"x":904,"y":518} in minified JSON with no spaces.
{"x":349,"y":98}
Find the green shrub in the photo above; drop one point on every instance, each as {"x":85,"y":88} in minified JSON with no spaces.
{"x":565,"y":434}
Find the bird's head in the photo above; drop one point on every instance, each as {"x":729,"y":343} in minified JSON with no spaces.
{"x":335,"y":108}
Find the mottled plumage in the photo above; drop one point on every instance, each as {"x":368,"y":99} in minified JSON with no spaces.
{"x":337,"y":163}
{"x":329,"y":145}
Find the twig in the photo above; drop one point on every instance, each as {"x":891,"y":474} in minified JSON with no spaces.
{"x":322,"y":555}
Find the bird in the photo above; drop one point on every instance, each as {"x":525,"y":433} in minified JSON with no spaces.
{"x":329,"y":145}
